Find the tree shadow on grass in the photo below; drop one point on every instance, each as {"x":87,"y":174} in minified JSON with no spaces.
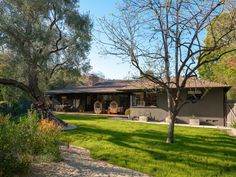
{"x":193,"y":150}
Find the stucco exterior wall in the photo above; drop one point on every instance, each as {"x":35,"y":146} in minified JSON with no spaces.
{"x":210,"y":109}
{"x":156,"y":113}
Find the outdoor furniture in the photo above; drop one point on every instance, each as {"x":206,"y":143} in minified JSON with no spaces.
{"x":113,"y":107}
{"x":120,"y":110}
{"x":143,"y":118}
{"x":59,"y":107}
{"x":98,"y":107}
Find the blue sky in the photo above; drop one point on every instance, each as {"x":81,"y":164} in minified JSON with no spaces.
{"x":111,"y":66}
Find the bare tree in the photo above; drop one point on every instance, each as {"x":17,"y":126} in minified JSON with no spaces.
{"x":167,"y":38}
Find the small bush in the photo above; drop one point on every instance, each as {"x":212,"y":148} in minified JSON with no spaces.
{"x":233,"y":124}
{"x":15,"y":109}
{"x":26,"y":141}
{"x":4,"y":108}
{"x":48,"y":135}
{"x":127,"y":111}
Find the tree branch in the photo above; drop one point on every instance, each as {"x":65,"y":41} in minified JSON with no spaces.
{"x":15,"y":83}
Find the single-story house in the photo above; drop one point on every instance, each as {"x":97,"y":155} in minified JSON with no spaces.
{"x":144,"y":98}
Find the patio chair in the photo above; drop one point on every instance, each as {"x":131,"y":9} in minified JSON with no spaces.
{"x":59,"y":107}
{"x":98,"y":107}
{"x":113,"y":107}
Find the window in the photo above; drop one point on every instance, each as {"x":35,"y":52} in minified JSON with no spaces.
{"x":138,"y":99}
{"x":151,"y":99}
{"x":194,"y":95}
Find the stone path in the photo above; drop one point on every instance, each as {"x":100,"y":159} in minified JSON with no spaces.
{"x":77,"y":163}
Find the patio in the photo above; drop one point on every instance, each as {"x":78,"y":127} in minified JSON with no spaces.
{"x":91,"y":114}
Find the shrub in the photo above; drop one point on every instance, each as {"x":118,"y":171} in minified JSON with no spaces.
{"x":14,"y":108}
{"x":4,"y":119}
{"x":233,"y":124}
{"x":46,"y":146}
{"x":127,"y":111}
{"x":26,"y":141}
{"x":81,"y":108}
{"x":4,"y":108}
{"x":14,"y":152}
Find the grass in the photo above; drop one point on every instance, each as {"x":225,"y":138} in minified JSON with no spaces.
{"x":196,"y":151}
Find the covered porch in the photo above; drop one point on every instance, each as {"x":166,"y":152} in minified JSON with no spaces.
{"x":90,"y":103}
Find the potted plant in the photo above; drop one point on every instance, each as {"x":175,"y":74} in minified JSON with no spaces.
{"x":127,"y":112}
{"x":168,"y":119}
{"x":233,"y":130}
{"x":194,"y":120}
{"x":81,"y":108}
{"x":143,"y":118}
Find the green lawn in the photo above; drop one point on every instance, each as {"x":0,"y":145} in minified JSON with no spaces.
{"x":142,"y":147}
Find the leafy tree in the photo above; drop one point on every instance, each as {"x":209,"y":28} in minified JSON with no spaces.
{"x":39,"y":38}
{"x":14,"y":101}
{"x":166,"y":38}
{"x":66,"y":79}
{"x":225,"y":69}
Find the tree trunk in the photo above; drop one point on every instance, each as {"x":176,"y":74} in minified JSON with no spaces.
{"x":39,"y":99}
{"x":38,"y":96}
{"x":170,"y":138}
{"x":42,"y":107}
{"x":172,"y":116}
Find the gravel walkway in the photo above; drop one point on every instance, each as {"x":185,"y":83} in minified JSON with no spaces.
{"x":77,"y":163}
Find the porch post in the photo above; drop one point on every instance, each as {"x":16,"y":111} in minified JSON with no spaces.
{"x":144,"y":98}
{"x":130,"y":100}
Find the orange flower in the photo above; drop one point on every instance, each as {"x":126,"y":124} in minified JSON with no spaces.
{"x":47,"y":125}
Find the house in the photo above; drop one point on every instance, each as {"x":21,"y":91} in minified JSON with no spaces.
{"x":144,"y":98}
